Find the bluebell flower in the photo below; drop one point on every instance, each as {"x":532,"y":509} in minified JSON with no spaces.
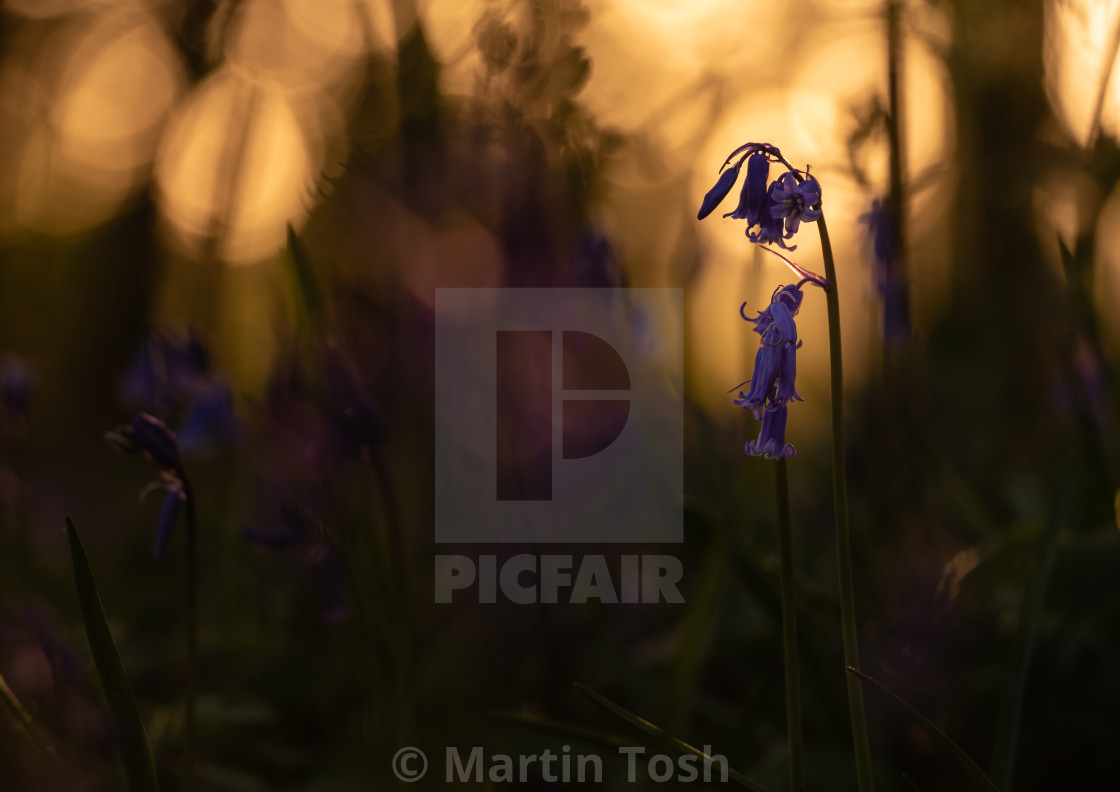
{"x":772,"y":385}
{"x":771,"y":442}
{"x":770,"y":224}
{"x":150,"y":437}
{"x":722,"y":187}
{"x":794,"y":201}
{"x":752,"y":200}
{"x":788,"y":296}
{"x":172,"y":376}
{"x":775,"y":370}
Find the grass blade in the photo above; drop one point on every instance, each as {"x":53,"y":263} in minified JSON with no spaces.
{"x":131,"y":735}
{"x":303,"y":275}
{"x":647,"y":728}
{"x":963,"y":760}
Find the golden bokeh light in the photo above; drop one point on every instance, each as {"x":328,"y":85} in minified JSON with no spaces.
{"x":81,"y":133}
{"x":305,"y":47}
{"x":46,"y":9}
{"x":1077,"y":58}
{"x":236,"y":166}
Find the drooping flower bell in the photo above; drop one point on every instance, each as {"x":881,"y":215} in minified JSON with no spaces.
{"x":775,"y":370}
{"x":752,"y":199}
{"x":771,"y":442}
{"x":775,"y":212}
{"x":794,"y":201}
{"x":718,"y":192}
{"x":770,"y":224}
{"x":150,"y":437}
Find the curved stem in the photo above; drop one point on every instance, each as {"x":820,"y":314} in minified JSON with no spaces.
{"x":789,"y":630}
{"x":192,"y":640}
{"x":843,"y":531}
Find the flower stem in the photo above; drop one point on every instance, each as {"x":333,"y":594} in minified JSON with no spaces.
{"x":896,"y":298}
{"x":789,"y":630}
{"x":843,"y":531}
{"x":192,"y":640}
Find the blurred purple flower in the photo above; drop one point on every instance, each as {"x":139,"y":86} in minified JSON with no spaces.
{"x":211,"y":416}
{"x":889,"y":278}
{"x":595,"y":264}
{"x":172,"y":375}
{"x":17,"y":381}
{"x":150,"y":437}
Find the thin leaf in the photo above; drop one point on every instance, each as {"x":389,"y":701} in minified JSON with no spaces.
{"x":133,"y":739}
{"x":20,"y":716}
{"x":800,"y":271}
{"x":303,"y":275}
{"x":963,"y":760}
{"x":644,"y":726}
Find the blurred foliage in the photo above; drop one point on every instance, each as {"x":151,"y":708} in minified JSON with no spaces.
{"x":281,"y":320}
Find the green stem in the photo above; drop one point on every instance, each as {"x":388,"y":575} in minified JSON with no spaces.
{"x":896,"y":300}
{"x":192,"y":640}
{"x":789,"y":630}
{"x":843,"y":531}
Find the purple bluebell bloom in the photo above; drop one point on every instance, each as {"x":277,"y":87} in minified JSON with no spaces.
{"x":794,"y":201}
{"x":149,"y":436}
{"x":775,"y":372}
{"x":770,"y":225}
{"x":752,"y":199}
{"x":155,"y":439}
{"x":172,"y":376}
{"x":771,"y":442}
{"x":767,"y":363}
{"x":719,"y":191}
{"x":788,"y":300}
